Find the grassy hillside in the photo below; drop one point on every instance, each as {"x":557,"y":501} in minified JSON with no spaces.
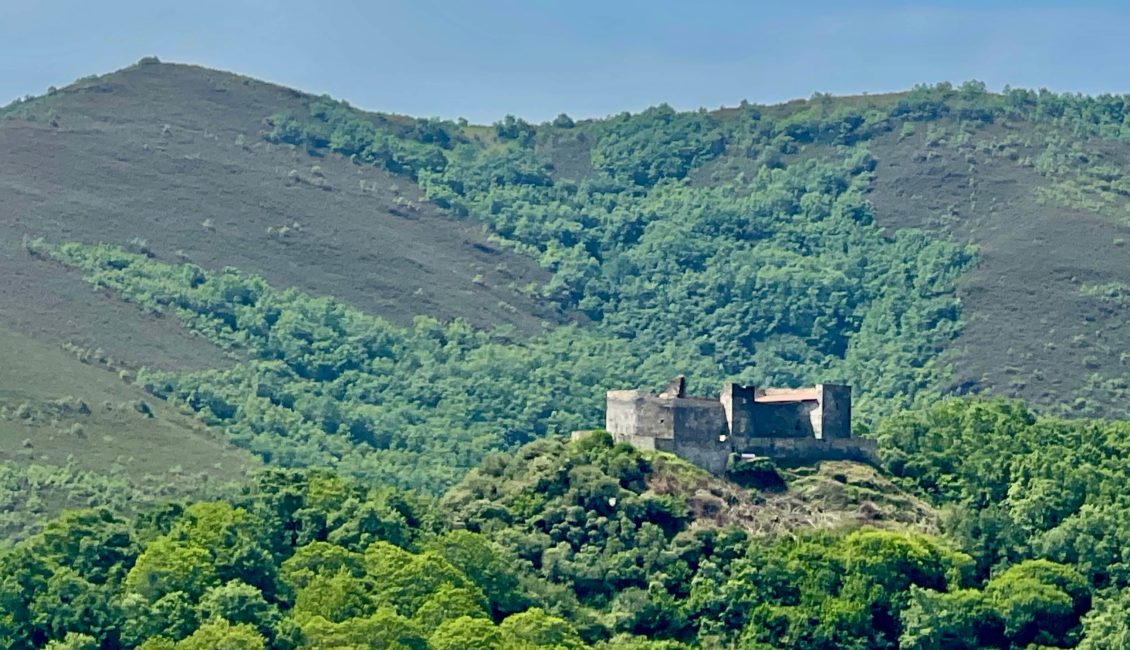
{"x":1033,"y":181}
{"x":172,"y":156}
{"x":74,"y":435}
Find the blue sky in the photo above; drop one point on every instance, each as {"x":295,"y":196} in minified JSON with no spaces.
{"x":486,"y":58}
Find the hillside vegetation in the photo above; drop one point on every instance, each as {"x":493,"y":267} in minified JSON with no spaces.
{"x":73,"y":435}
{"x":816,"y":239}
{"x":594,"y":556}
{"x":402,"y":317}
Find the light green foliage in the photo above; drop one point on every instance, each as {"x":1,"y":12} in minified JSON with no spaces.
{"x":572,"y":549}
{"x":334,"y":597}
{"x":26,"y":489}
{"x":656,"y":144}
{"x":1107,"y":625}
{"x":487,"y":565}
{"x":778,"y":276}
{"x":466,"y":633}
{"x":626,"y":642}
{"x":74,"y":641}
{"x":330,"y":386}
{"x":579,"y":511}
{"x":449,"y":602}
{"x":534,"y":627}
{"x":221,"y":635}
{"x":172,"y":616}
{"x":383,"y":629}
{"x":168,"y":567}
{"x":1034,"y":602}
{"x":319,"y":558}
{"x":239,"y":603}
{"x":415,"y":581}
{"x":846,"y":592}
{"x":715,"y":244}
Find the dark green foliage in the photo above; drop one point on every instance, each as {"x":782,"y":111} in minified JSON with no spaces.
{"x":329,"y":386}
{"x":575,"y":548}
{"x":712,"y":243}
{"x":1020,"y":485}
{"x":579,"y":513}
{"x":775,"y":276}
{"x":657,"y":144}
{"x":1034,"y":602}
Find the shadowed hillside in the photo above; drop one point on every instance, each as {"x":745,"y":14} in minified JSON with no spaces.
{"x":171,"y":156}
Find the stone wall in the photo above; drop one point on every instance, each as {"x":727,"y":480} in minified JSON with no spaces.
{"x":737,"y":403}
{"x":640,"y":419}
{"x":835,"y":406}
{"x":801,"y":451}
{"x":703,"y":433}
{"x":815,"y":426}
{"x":785,"y":419}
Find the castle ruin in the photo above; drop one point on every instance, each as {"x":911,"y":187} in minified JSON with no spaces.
{"x":790,"y":426}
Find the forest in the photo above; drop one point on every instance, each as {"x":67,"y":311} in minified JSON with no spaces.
{"x":557,"y":545}
{"x":418,"y":488}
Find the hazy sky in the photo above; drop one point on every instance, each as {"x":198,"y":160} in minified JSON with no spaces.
{"x":482,"y":59}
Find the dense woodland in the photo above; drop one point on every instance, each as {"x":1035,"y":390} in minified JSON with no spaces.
{"x":557,"y":546}
{"x":420,"y":493}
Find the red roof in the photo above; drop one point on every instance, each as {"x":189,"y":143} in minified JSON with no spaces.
{"x":787,"y":395}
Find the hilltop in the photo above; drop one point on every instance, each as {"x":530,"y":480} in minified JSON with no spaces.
{"x":558,"y":545}
{"x":172,"y":156}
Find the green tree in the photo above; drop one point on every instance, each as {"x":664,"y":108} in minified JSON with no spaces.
{"x":239,"y":603}
{"x":74,"y":641}
{"x":534,"y":627}
{"x":486,"y":566}
{"x":448,"y":603}
{"x":384,"y":628}
{"x":166,"y":567}
{"x":1107,"y":625}
{"x":221,"y":635}
{"x":466,"y":633}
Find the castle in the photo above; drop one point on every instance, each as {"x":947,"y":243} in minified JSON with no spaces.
{"x":789,"y":426}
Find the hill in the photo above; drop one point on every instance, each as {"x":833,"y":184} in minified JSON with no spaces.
{"x":559,"y":545}
{"x":73,"y":435}
{"x":944,"y":240}
{"x":206,"y":272}
{"x":653,"y":215}
{"x":172,"y":156}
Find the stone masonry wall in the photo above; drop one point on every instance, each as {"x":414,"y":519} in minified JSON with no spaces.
{"x":835,"y":406}
{"x":785,"y":419}
{"x":703,"y":434}
{"x":707,"y":431}
{"x":804,"y":451}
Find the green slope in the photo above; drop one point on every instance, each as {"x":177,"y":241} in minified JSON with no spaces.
{"x":73,"y":434}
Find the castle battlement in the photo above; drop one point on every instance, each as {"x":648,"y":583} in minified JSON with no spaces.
{"x":800,"y":425}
